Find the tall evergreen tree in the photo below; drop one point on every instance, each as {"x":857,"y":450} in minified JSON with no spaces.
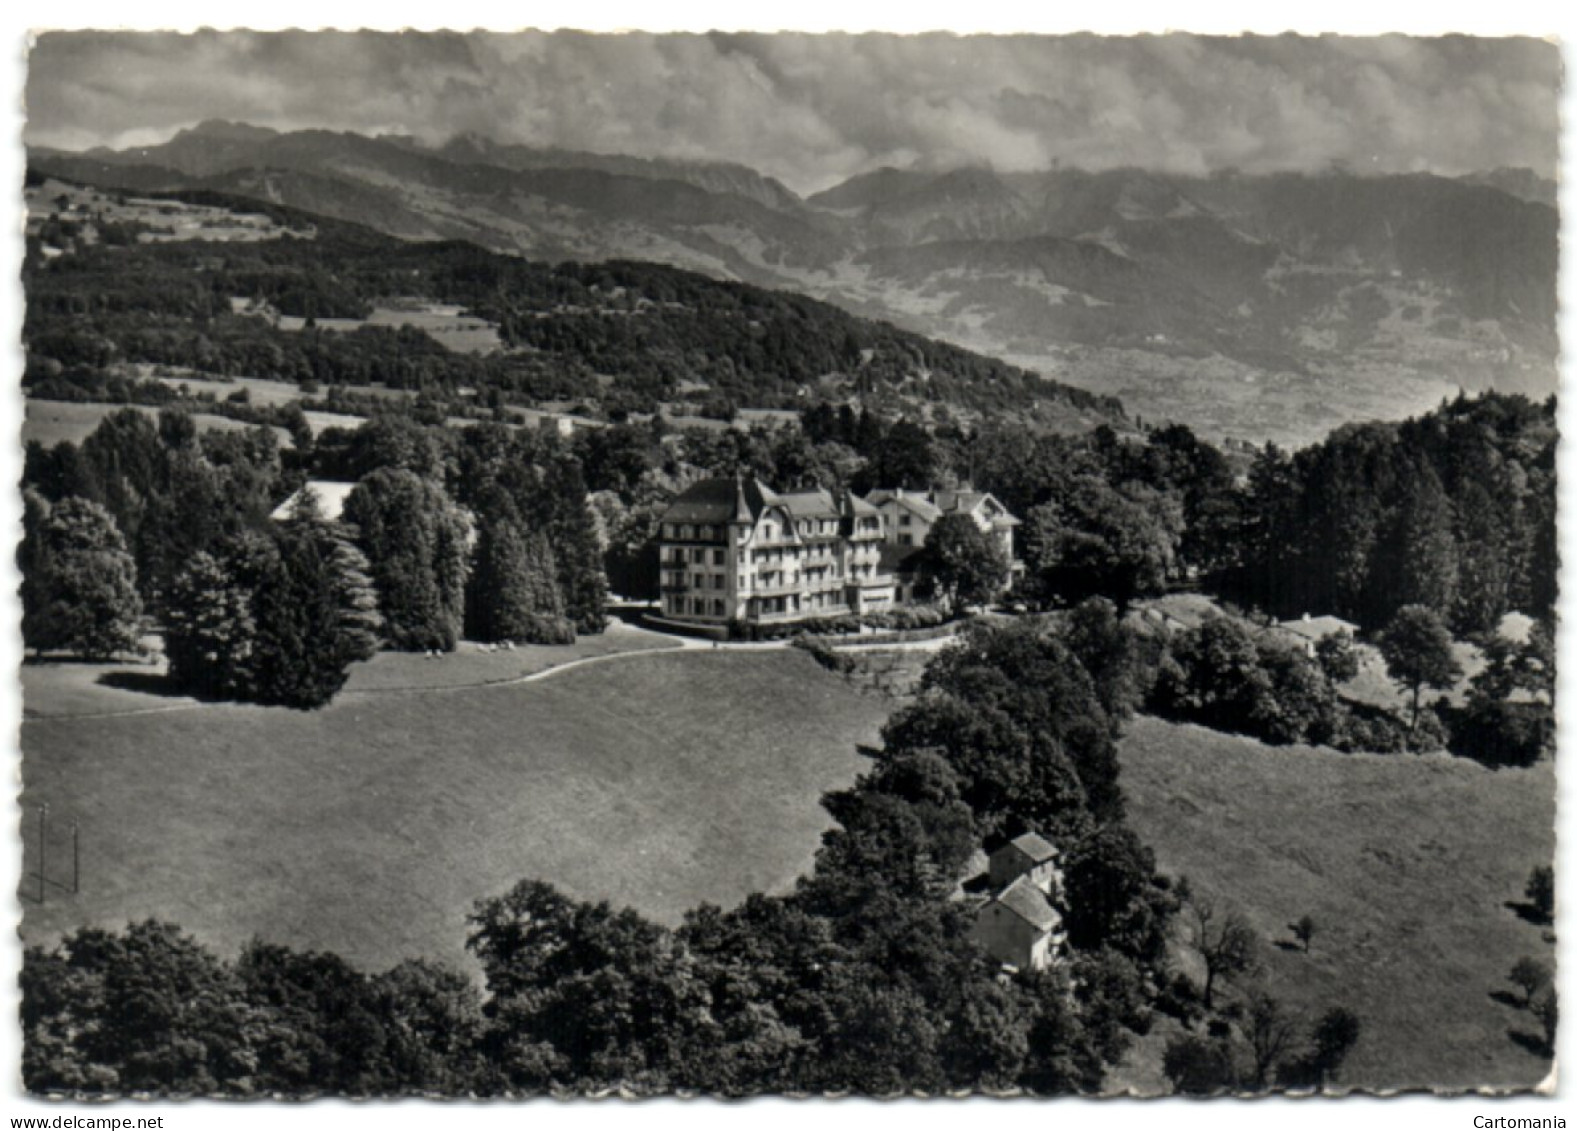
{"x":558,"y":509}
{"x":210,"y":632}
{"x":1487,"y":539}
{"x":416,"y":542}
{"x":302,"y":652}
{"x":514,"y":581}
{"x":1423,"y":552}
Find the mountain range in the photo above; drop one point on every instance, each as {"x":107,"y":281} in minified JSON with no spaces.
{"x":1265,"y":306}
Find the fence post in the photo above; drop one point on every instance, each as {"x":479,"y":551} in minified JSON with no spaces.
{"x":43,"y":839}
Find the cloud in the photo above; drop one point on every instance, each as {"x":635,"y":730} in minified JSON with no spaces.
{"x":813,"y":110}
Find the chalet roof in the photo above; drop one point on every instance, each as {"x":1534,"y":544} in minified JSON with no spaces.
{"x":857,"y":506}
{"x":818,"y":503}
{"x":331,"y":494}
{"x":1317,"y":628}
{"x":915,"y":503}
{"x":967,"y":502}
{"x":721,"y":499}
{"x":1029,"y":903}
{"x":1033,"y":845}
{"x":949,"y":501}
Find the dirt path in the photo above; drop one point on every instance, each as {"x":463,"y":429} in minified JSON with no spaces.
{"x":670,"y":644}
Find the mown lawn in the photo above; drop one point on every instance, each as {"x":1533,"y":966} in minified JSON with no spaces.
{"x":1407,"y":865}
{"x":370,"y":827}
{"x":75,"y":688}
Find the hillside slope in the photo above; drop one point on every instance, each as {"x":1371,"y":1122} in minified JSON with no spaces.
{"x":1408,"y":866}
{"x":613,"y":337}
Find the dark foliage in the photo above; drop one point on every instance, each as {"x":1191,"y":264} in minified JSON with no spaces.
{"x":646,"y":327}
{"x":275,"y":617}
{"x":865,"y":978}
{"x":415,"y":539}
{"x":1452,"y":511}
{"x":79,"y":590}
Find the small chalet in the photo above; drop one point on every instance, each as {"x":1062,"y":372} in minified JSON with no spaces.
{"x":1020,"y":925}
{"x":1307,"y":631}
{"x":331,"y":495}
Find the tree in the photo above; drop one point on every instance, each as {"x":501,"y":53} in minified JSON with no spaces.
{"x":1541,"y":892}
{"x":305,"y":638}
{"x":1337,"y":654}
{"x":1213,"y":676}
{"x":273,"y":618}
{"x":1226,"y":942}
{"x":79,"y":583}
{"x":1417,"y":651}
{"x":1197,"y":1066}
{"x":390,"y":440}
{"x":1116,"y":656}
{"x":1425,"y":552}
{"x":1303,"y":930}
{"x":961,"y":562}
{"x":1096,"y":539}
{"x":1547,"y":1009}
{"x":1509,"y":717}
{"x":904,"y":456}
{"x":1335,"y":1036}
{"x":1530,"y":976}
{"x":210,"y":631}
{"x":513,"y":582}
{"x":1270,"y":1031}
{"x":415,"y":540}
{"x":553,"y":502}
{"x":583,"y":993}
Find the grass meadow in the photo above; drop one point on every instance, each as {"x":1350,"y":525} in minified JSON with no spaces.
{"x":50,"y":422}
{"x":370,"y":827}
{"x":1407,"y":864}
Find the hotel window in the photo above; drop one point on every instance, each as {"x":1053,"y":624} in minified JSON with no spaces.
{"x":717,"y":557}
{"x":698,"y":556}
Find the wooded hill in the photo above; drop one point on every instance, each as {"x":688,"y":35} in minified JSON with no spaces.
{"x":617,"y":337}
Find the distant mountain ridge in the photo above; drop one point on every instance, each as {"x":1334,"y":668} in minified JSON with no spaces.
{"x":1232,"y":302}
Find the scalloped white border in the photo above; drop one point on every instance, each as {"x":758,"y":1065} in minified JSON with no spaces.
{"x":1501,"y":17}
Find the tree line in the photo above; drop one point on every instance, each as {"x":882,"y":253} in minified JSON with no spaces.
{"x":489,"y":537}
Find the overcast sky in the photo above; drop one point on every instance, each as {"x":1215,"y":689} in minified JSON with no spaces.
{"x":813,"y":110}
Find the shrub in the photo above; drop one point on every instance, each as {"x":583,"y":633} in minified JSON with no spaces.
{"x":1502,"y":733}
{"x":1541,"y":892}
{"x":826,"y":656}
{"x":542,"y":628}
